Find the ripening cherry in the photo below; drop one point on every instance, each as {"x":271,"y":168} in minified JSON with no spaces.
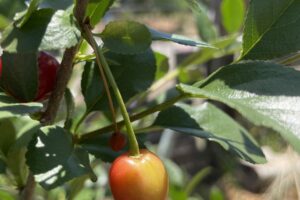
{"x":117,"y":141}
{"x":48,"y":67}
{"x":141,"y":177}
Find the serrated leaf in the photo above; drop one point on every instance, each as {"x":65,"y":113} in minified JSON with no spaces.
{"x":157,"y":35}
{"x":126,"y":37}
{"x":20,"y":75}
{"x":53,"y":159}
{"x":96,"y":10}
{"x":45,"y":30}
{"x":233,"y":12}
{"x":27,"y":38}
{"x":61,"y":32}
{"x":265,"y":93}
{"x":10,"y":108}
{"x":133,"y":74}
{"x":269,"y":21}
{"x":209,"y":122}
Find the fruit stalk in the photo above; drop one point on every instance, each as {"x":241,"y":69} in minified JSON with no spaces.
{"x":101,"y":61}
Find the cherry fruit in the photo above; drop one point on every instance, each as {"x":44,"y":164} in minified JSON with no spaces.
{"x":141,"y":177}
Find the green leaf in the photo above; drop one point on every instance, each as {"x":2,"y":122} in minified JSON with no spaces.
{"x":53,"y":159}
{"x":133,"y":74}
{"x":96,"y":10}
{"x":205,"y":26}
{"x":126,"y":37}
{"x":10,"y":108}
{"x":162,"y":65}
{"x":224,"y":46}
{"x":99,"y":147}
{"x":61,"y":32}
{"x":271,"y":29}
{"x":233,"y":12}
{"x":209,"y":122}
{"x":27,"y":38}
{"x":2,"y":167}
{"x":45,"y":30}
{"x":34,"y":4}
{"x":157,"y":35}
{"x":6,"y":195}
{"x":265,"y":93}
{"x":15,"y":136}
{"x":70,"y":104}
{"x":20,"y":75}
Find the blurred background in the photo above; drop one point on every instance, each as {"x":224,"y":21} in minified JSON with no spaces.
{"x":198,"y":169}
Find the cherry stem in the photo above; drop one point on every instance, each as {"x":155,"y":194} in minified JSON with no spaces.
{"x":101,"y":61}
{"x":110,"y":102}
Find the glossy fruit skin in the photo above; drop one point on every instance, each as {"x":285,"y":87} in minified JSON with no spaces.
{"x":143,"y":177}
{"x":117,"y":141}
{"x":48,"y":67}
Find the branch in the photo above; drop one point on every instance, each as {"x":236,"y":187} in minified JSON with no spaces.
{"x":63,"y":76}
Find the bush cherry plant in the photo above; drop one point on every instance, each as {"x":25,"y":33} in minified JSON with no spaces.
{"x":123,"y":69}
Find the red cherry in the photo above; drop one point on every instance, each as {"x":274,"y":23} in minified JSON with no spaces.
{"x":48,"y":67}
{"x":117,"y":141}
{"x":142,"y":177}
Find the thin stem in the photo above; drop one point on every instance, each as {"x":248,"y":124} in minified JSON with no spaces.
{"x":63,"y":76}
{"x":101,"y":61}
{"x":133,"y":118}
{"x":110,"y":102}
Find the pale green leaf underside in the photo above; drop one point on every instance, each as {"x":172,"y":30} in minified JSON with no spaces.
{"x":265,"y":93}
{"x":157,"y":35}
{"x":209,"y":122}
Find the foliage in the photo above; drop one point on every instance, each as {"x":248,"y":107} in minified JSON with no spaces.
{"x":262,"y":90}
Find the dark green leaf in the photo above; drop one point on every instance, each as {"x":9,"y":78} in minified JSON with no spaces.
{"x":10,"y":108}
{"x":126,"y":37}
{"x":233,"y":12}
{"x":29,"y":37}
{"x":156,"y":35}
{"x":271,"y":29}
{"x":70,"y":104}
{"x":20,"y":75}
{"x":15,"y":136}
{"x":45,"y":30}
{"x":265,"y":93}
{"x":99,"y":147}
{"x":2,"y":167}
{"x":209,"y":122}
{"x":52,"y":158}
{"x":96,"y":10}
{"x":34,"y":4}
{"x":133,"y":74}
